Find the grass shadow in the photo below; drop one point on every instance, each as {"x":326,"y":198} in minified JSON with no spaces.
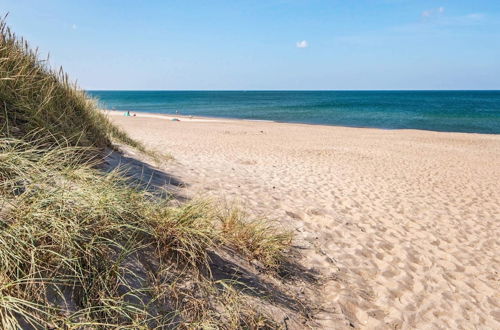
{"x":145,"y":177}
{"x":226,"y":266}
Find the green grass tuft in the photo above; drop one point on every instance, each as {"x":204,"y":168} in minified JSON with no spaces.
{"x":258,"y":239}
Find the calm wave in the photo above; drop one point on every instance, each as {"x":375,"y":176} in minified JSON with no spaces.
{"x":454,"y":111}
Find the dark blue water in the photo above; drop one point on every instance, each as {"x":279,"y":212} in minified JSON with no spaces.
{"x":453,"y":111}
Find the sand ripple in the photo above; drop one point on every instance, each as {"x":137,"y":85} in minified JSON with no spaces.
{"x":404,"y":226}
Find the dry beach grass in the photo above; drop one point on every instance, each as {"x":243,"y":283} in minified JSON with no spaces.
{"x":89,"y":243}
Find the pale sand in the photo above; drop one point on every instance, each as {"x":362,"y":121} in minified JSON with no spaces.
{"x":403,"y":225}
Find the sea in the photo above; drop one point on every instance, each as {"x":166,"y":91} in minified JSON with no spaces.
{"x":448,"y":111}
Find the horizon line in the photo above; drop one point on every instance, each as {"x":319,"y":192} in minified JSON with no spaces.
{"x":291,"y":90}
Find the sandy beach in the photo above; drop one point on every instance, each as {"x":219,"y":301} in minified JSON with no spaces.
{"x":403,"y":226}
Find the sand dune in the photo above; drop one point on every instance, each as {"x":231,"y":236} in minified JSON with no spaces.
{"x":402,"y":225}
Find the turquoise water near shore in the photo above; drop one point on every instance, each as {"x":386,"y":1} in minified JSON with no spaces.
{"x":453,"y":111}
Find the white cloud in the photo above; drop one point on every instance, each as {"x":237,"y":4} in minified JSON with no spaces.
{"x":302,"y":44}
{"x":433,"y":12}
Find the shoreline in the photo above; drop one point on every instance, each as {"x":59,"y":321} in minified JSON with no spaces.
{"x":209,"y":119}
{"x":186,"y":118}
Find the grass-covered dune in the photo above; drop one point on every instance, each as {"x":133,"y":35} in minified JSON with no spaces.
{"x":83,"y":248}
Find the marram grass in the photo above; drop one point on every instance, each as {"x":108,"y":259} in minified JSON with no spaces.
{"x":82,"y":249}
{"x":68,"y":234}
{"x":34,"y":97}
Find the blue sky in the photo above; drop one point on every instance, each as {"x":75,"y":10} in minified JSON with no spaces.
{"x":267,"y":44}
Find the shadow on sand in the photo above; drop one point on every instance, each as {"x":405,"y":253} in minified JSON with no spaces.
{"x":225,"y":265}
{"x":145,"y":177}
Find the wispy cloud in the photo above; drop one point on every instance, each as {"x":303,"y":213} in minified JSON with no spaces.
{"x":474,"y":17}
{"x":433,"y":12}
{"x":463,"y":20}
{"x":302,"y":44}
{"x":437,"y":16}
{"x":439,"y":26}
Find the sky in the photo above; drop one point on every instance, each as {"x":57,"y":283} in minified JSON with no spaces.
{"x":266,"y":44}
